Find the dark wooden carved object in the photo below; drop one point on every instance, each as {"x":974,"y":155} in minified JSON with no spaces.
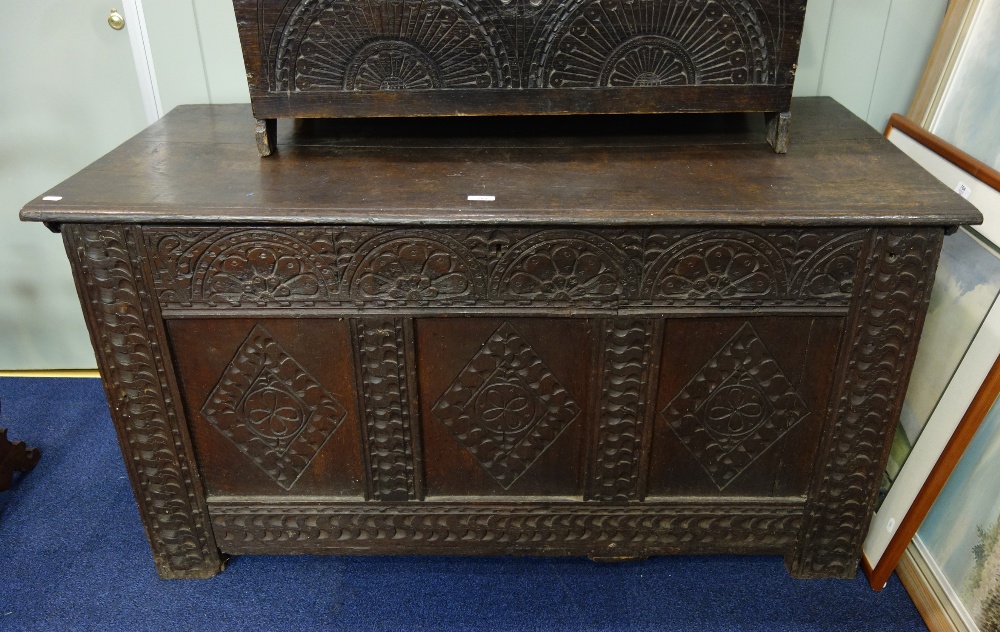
{"x":339,"y":58}
{"x":615,"y":361}
{"x":15,"y":457}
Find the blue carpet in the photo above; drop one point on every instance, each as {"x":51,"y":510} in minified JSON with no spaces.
{"x":73,"y":556}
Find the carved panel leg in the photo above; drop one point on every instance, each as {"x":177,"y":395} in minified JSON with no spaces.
{"x":778,"y":129}
{"x":629,"y":362}
{"x":875,"y":367}
{"x":266,"y":131}
{"x":384,"y":352}
{"x":138,"y":380}
{"x":15,"y":457}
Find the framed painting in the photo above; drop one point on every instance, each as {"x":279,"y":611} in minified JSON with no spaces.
{"x":959,"y":94}
{"x":959,"y":346}
{"x":960,"y":536}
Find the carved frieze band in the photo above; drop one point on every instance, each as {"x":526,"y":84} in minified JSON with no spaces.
{"x":387,"y":407}
{"x":883,"y":338}
{"x":628,"y":370}
{"x":317,"y":267}
{"x":577,"y":528}
{"x":123,"y":325}
{"x":344,"y":46}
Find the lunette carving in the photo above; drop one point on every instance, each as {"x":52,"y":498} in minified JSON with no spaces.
{"x":563,"y":266}
{"x":252,"y":268}
{"x":880,"y":347}
{"x":122,"y":320}
{"x":652,"y":43}
{"x":386,"y":406}
{"x":415,"y":267}
{"x":336,"y":45}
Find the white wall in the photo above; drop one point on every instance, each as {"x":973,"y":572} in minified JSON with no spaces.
{"x":196,"y":52}
{"x":68,"y":94}
{"x":868,"y":54}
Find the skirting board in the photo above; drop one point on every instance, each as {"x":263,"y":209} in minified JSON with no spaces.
{"x":931,"y":592}
{"x":53,"y":373}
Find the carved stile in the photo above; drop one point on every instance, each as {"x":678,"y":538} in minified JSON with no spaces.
{"x":388,"y":405}
{"x":877,"y":357}
{"x":629,"y":366}
{"x":127,"y":334}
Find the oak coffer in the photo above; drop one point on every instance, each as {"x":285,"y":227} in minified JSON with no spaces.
{"x":402,"y":340}
{"x":387,"y":58}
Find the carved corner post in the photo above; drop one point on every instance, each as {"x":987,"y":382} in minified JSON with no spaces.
{"x":874,"y":369}
{"x":130,"y":343}
{"x":779,"y":126}
{"x":384,"y":356}
{"x":266,"y":131}
{"x":629,"y":362}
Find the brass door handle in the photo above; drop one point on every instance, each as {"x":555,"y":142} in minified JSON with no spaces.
{"x":115,"y":20}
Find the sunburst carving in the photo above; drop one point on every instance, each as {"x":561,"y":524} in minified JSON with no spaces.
{"x":649,"y":43}
{"x":390,"y":45}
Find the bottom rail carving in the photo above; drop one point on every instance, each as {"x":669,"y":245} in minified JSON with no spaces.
{"x":561,"y":528}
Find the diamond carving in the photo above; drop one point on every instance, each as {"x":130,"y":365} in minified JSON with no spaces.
{"x":506,"y":407}
{"x":736,"y":407}
{"x":272,"y":409}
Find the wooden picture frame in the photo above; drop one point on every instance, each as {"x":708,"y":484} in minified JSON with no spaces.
{"x":972,"y":388}
{"x":955,"y":28}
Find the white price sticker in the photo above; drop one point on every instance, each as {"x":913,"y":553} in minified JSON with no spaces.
{"x":963,"y":190}
{"x":482,"y":198}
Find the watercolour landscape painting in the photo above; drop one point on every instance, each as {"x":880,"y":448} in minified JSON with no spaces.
{"x":963,"y":528}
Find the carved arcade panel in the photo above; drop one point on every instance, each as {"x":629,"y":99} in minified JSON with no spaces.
{"x":423,"y":45}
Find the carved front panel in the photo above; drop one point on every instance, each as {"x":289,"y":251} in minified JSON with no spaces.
{"x":408,"y":57}
{"x":253,"y":268}
{"x":272,"y":405}
{"x":503,"y":405}
{"x":741,"y":405}
{"x":364,"y":383}
{"x":391,"y":45}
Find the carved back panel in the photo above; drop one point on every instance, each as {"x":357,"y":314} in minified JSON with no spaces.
{"x":410,"y":57}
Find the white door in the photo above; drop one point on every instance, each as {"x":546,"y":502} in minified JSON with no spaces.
{"x":69,"y":93}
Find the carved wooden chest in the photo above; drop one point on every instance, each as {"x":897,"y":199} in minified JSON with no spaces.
{"x":345,"y":58}
{"x":468,"y":344}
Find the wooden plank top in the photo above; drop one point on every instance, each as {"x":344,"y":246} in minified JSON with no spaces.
{"x":199,"y":164}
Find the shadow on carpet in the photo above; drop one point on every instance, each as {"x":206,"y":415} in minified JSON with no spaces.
{"x":73,"y":555}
